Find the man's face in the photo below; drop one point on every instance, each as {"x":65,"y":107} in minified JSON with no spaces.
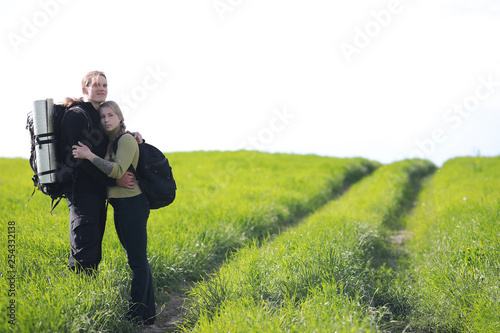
{"x":97,"y":91}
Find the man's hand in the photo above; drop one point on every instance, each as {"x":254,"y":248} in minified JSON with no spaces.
{"x":127,"y":181}
{"x":138,"y":137}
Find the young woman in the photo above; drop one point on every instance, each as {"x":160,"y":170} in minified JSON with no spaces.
{"x":131,"y":208}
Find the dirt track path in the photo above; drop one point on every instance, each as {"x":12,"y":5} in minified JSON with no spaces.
{"x":167,"y":320}
{"x":173,"y":309}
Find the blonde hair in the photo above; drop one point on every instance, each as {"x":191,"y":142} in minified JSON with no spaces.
{"x":87,"y":81}
{"x":114,"y":106}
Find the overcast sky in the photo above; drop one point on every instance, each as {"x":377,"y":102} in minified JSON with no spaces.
{"x":385,"y":80}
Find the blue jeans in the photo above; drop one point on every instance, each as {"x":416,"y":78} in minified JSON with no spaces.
{"x":131,"y":216}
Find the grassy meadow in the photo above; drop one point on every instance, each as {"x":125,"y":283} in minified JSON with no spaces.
{"x":321,"y":276}
{"x":453,"y":271}
{"x":224,"y":201}
{"x":274,"y":243}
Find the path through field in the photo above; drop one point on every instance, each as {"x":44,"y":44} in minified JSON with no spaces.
{"x":173,"y":310}
{"x":274,"y":242}
{"x":170,"y":314}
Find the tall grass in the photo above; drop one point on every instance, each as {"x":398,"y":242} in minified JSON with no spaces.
{"x":227,"y":199}
{"x":318,"y":276}
{"x":224,"y":201}
{"x":47,"y":297}
{"x":453,"y":278}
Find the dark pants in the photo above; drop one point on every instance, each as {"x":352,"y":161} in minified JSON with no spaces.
{"x":131,"y":216}
{"x":87,"y":222}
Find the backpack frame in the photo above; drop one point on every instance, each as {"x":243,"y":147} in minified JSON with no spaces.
{"x":63,"y":173}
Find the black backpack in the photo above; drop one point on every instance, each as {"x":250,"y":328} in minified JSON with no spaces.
{"x":154,"y":174}
{"x":63,"y":173}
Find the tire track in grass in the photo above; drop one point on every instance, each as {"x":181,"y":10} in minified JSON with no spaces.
{"x":253,"y":200}
{"x":455,"y":261}
{"x":394,"y":232}
{"x":334,"y":251}
{"x":389,"y":255}
{"x":171,"y":312}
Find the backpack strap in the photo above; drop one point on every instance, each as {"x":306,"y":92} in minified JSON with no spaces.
{"x":55,"y":205}
{"x":41,"y":139}
{"x":81,"y":110}
{"x":115,"y":143}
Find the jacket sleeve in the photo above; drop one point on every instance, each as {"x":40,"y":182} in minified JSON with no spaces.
{"x":75,"y":129}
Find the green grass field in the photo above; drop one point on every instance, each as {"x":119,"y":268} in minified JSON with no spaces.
{"x":274,"y":242}
{"x":319,"y":275}
{"x":454,"y":266}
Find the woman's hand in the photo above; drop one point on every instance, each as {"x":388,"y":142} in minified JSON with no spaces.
{"x":82,"y":151}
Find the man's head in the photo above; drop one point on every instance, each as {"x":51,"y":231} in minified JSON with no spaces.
{"x":95,"y":88}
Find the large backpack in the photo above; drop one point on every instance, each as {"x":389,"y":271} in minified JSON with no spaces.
{"x":154,"y":174}
{"x":47,"y":154}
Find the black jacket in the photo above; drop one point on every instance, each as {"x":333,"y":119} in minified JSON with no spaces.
{"x":86,"y":128}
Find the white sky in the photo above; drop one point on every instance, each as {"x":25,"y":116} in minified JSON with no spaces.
{"x":385,"y":80}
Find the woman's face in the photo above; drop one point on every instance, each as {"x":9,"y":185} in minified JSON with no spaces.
{"x":97,"y":91}
{"x":109,"y":119}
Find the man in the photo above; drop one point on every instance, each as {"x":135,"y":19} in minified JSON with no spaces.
{"x":86,"y":193}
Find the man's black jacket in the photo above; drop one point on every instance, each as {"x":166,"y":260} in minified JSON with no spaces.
{"x":86,"y":128}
